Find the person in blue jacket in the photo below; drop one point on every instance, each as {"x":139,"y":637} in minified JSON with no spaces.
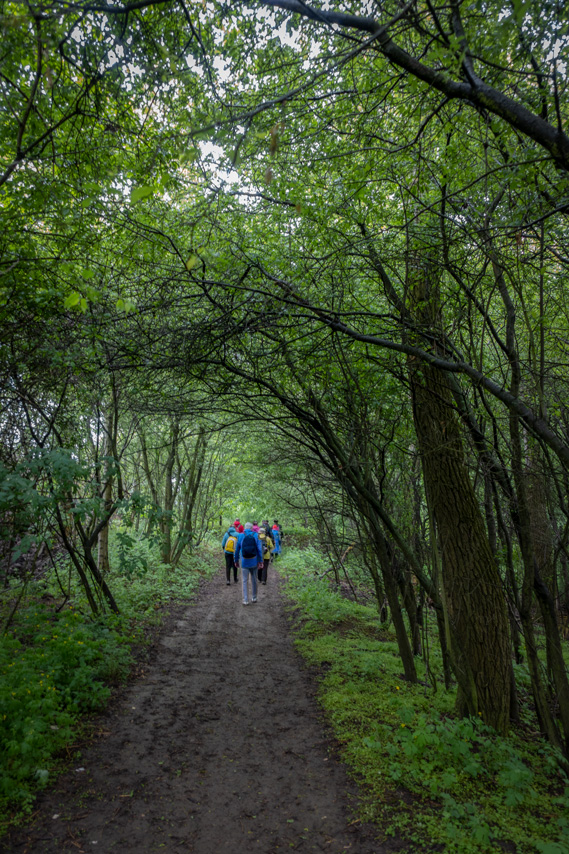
{"x":229,"y":544}
{"x":226,"y":535}
{"x":276,"y":534}
{"x":250,"y":553}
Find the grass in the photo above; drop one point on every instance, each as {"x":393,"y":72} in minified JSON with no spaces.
{"x":440,"y":783}
{"x":58,"y":663}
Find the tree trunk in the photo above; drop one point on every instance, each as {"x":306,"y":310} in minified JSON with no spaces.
{"x":473,"y":598}
{"x":471,"y":584}
{"x":403,"y":578}
{"x":193,"y":479}
{"x":107,"y":495}
{"x":379,"y":544}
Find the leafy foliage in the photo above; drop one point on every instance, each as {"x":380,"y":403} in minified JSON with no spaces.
{"x":53,"y":669}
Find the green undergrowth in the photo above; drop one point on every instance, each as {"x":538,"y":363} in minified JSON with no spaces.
{"x":59,"y":663}
{"x":440,"y":783}
{"x":144,"y":583}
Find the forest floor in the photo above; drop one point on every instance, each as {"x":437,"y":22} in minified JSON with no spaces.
{"x":218,"y":747}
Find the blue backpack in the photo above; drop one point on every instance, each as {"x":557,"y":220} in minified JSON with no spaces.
{"x":249,"y":546}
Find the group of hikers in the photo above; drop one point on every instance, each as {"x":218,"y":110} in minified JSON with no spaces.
{"x":253,"y":546}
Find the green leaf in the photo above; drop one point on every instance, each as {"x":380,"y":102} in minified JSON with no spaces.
{"x":42,"y":776}
{"x":520,"y":8}
{"x":550,"y":848}
{"x":406,"y":714}
{"x":125,"y":305}
{"x":203,"y":134}
{"x":71,"y":300}
{"x":188,"y":155}
{"x":138,"y":193}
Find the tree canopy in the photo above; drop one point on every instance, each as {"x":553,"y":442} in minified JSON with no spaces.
{"x":339,"y":228}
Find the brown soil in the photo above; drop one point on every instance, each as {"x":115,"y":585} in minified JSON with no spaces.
{"x":219,"y":748}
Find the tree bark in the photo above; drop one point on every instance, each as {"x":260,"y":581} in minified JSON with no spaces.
{"x":472,"y":592}
{"x":470,"y":579}
{"x":103,"y":538}
{"x":381,"y":549}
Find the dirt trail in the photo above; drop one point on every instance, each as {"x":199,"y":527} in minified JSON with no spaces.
{"x":219,"y":749}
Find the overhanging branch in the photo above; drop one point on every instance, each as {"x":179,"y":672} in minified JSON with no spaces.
{"x":475,"y":91}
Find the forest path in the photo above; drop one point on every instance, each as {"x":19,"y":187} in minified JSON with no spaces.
{"x":218,"y":749}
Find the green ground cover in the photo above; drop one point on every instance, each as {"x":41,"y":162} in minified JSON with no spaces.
{"x":444,"y":784}
{"x":58,"y":663}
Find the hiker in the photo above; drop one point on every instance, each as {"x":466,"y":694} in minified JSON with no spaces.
{"x":225,"y":536}
{"x":277,"y":538}
{"x":250,"y":554}
{"x":229,"y":544}
{"x":267,"y":545}
{"x":270,"y":540}
{"x":268,"y":530}
{"x":255,"y":528}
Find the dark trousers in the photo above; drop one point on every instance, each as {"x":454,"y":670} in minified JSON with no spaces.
{"x":230,"y":565}
{"x":263,"y":571}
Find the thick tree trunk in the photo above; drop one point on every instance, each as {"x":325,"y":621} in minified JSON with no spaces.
{"x":472,"y":588}
{"x":474,"y":604}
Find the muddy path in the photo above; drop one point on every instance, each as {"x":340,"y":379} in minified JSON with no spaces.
{"x":218,"y":749}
